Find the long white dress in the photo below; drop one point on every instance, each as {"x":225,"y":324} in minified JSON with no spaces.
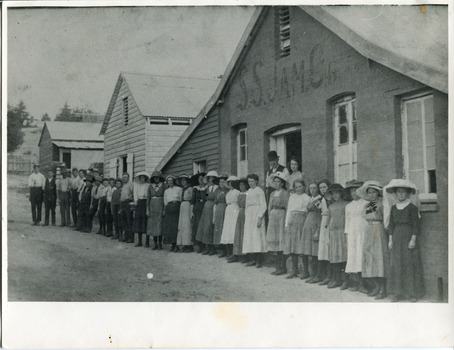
{"x":231,"y":215}
{"x":355,"y":225}
{"x":323,"y":242}
{"x":254,"y":240}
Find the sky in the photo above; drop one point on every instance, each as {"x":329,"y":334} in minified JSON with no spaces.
{"x":75,"y":55}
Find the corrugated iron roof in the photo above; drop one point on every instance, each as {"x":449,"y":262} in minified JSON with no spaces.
{"x":164,"y":96}
{"x":79,"y":145}
{"x":74,"y":131}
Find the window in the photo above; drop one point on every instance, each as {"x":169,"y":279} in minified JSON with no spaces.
{"x":242,"y":164}
{"x":283,"y":30}
{"x":200,"y":167}
{"x":124,"y":164}
{"x":345,"y":140}
{"x":125,"y":111}
{"x":418,"y":144}
{"x":66,"y":158}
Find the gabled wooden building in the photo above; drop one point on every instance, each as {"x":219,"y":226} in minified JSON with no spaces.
{"x":77,"y":144}
{"x":349,"y":97}
{"x":146,"y":115}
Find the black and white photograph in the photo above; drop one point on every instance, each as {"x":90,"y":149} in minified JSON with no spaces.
{"x":281,"y":157}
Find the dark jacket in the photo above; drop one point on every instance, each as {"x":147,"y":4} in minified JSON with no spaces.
{"x":50,"y":191}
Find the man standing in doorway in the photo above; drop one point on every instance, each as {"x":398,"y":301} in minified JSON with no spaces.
{"x":275,"y":167}
{"x":50,"y":198}
{"x":36,"y":183}
{"x":63,"y":192}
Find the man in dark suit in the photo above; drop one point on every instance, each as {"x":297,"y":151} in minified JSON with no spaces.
{"x":275,"y":167}
{"x":83,"y":223}
{"x":50,"y":198}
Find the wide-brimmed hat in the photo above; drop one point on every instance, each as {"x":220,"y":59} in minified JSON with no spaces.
{"x":335,"y":187}
{"x":89,"y":178}
{"x":231,"y":178}
{"x":158,"y":174}
{"x":396,"y":183}
{"x":280,"y":175}
{"x":182,"y":176}
{"x":170,"y":177}
{"x":143,"y":173}
{"x":272,"y":155}
{"x":213,"y":173}
{"x":353,"y":184}
{"x":223,"y":177}
{"x":236,"y":183}
{"x":362,"y":191}
{"x":195,"y":178}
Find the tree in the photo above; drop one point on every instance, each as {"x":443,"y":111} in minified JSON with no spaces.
{"x":45,"y":118}
{"x":20,"y":112}
{"x":65,"y":114}
{"x":15,"y":136}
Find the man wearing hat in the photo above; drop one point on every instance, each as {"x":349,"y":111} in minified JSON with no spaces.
{"x":94,"y":200}
{"x":275,"y":167}
{"x":63,"y":192}
{"x":83,"y":223}
{"x":50,"y":198}
{"x":36,"y":183}
{"x":126,"y":215}
{"x":75,"y":182}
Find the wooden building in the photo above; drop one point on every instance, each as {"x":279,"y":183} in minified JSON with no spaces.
{"x":77,"y":144}
{"x":349,"y":97}
{"x":146,"y":115}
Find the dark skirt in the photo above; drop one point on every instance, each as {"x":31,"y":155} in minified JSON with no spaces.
{"x":140,"y":216}
{"x":197,"y":210}
{"x":406,"y":277}
{"x":218,"y":222}
{"x":154,"y":224}
{"x":239,"y":233}
{"x":170,"y":222}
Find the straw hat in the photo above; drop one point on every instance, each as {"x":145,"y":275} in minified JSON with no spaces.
{"x":213,"y":173}
{"x":396,"y":183}
{"x":232,"y":178}
{"x":183,"y":176}
{"x":170,"y":177}
{"x":236,"y":183}
{"x":143,"y":173}
{"x":362,"y":191}
{"x":280,"y":175}
{"x":335,"y":187}
{"x":158,"y":174}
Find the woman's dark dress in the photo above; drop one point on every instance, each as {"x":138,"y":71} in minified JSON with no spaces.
{"x":198,"y":199}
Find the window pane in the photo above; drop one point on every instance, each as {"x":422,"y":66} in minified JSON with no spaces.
{"x":342,"y":110}
{"x":343,"y":134}
{"x":242,"y":153}
{"x":413,"y":112}
{"x":429,"y":109}
{"x":417,"y":177}
{"x":242,"y":137}
{"x":354,"y":110}
{"x":354,"y":132}
{"x":432,"y":182}
{"x":430,"y":134}
{"x":430,"y":155}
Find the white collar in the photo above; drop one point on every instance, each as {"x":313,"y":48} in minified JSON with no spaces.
{"x":403,"y":204}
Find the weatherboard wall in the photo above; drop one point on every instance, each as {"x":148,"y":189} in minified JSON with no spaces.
{"x":121,"y":140}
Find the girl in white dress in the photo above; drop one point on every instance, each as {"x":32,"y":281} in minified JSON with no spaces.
{"x":231,"y":216}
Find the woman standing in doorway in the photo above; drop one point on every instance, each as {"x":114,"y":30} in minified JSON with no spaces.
{"x":295,"y":174}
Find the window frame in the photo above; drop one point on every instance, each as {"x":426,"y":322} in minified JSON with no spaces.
{"x":196,"y":166}
{"x":283,"y":31}
{"x":239,"y":161}
{"x":424,"y":195}
{"x":125,"y":110}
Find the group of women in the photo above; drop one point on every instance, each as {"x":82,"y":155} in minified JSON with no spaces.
{"x":339,"y":232}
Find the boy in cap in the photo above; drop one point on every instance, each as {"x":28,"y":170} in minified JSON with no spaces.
{"x":36,"y":183}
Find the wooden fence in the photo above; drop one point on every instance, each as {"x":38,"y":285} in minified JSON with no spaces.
{"x":21,"y":164}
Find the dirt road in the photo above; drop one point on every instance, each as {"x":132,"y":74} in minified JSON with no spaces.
{"x":59,"y":264}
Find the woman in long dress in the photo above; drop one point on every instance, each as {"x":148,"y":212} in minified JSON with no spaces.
{"x":355,"y":225}
{"x":220,"y":205}
{"x":254,"y":239}
{"x":155,"y":208}
{"x":277,"y":209}
{"x":231,"y":216}
{"x":294,"y":222}
{"x":140,"y":203}
{"x":375,"y":264}
{"x":206,"y":227}
{"x":242,"y":186}
{"x":405,"y":278}
{"x":295,"y":174}
{"x":308,"y":246}
{"x":184,"y":238}
{"x":172,"y":202}
{"x":198,"y":201}
{"x":324,"y":270}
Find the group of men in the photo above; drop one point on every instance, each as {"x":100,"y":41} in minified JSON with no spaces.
{"x":82,"y":196}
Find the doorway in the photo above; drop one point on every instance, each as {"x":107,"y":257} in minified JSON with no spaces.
{"x":287,"y":144}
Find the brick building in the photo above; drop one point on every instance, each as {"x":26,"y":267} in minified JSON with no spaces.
{"x":350,"y":98}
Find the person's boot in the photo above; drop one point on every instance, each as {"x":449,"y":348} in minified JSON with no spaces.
{"x":155,"y":243}
{"x":251,"y":260}
{"x":176,"y":248}
{"x":229,"y":250}
{"x":258,"y":260}
{"x":244,"y":259}
{"x":382,"y":294}
{"x":190,"y":249}
{"x":131,"y":237}
{"x":206,"y":249}
{"x":305,"y":272}
{"x":354,"y":282}
{"x":282,"y":264}
{"x":312,"y":270}
{"x":345,"y":278}
{"x":200,"y":247}
{"x":329,"y":272}
{"x":172,"y":247}
{"x":319,"y":277}
{"x":334,"y":277}
{"x":160,"y":243}
{"x":362,"y":287}
{"x":376,"y":290}
{"x":294,"y":272}
{"x":139,"y":243}
{"x":212,"y":250}
{"x":233,"y":259}
{"x":276,"y":264}
{"x":223,"y":248}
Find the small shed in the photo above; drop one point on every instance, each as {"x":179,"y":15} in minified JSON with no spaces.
{"x":77,"y":144}
{"x":146,"y":116}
